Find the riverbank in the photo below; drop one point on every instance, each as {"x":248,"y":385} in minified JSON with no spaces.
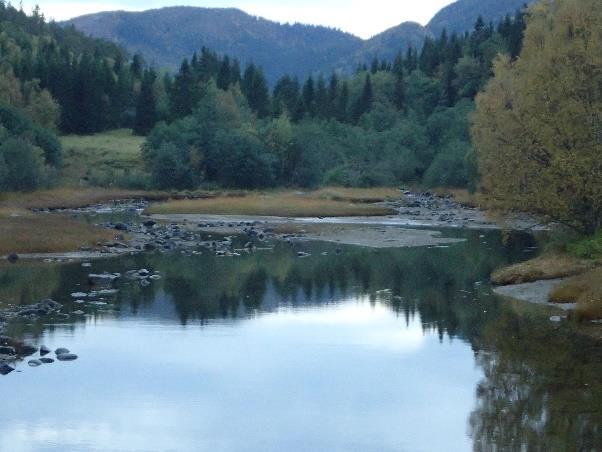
{"x":558,"y":280}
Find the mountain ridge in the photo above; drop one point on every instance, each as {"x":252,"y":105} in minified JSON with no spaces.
{"x":165,"y":36}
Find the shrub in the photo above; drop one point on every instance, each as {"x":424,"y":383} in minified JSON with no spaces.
{"x":23,"y":166}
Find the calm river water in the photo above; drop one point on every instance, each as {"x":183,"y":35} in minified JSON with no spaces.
{"x":362,"y":350}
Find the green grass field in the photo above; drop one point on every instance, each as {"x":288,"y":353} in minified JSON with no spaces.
{"x":104,"y":159}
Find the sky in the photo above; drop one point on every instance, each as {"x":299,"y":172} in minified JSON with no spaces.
{"x":360,"y":17}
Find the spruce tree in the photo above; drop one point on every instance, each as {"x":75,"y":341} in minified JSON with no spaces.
{"x":146,"y":108}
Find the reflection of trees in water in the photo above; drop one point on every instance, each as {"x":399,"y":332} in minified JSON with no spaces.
{"x":533,"y":395}
{"x":437,"y":283}
{"x":542,"y":389}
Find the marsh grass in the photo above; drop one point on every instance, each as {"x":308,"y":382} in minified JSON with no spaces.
{"x":357,"y":195}
{"x":71,"y":197}
{"x":549,"y":266}
{"x":586,"y":291}
{"x":22,"y":231}
{"x":280,"y":204}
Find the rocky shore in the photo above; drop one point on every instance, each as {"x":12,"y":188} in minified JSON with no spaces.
{"x":190,"y":233}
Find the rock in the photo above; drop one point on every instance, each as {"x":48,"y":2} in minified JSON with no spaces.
{"x":120,"y":227}
{"x":79,"y":295}
{"x":44,"y":350}
{"x":150,"y":247}
{"x":27,"y":350}
{"x":12,"y":258}
{"x":62,"y":351}
{"x":67,"y":357}
{"x":149,"y":223}
{"x":6,"y":350}
{"x":47,"y":360}
{"x":78,"y":312}
{"x":5,"y":369}
{"x":556,"y":318}
{"x":34,"y":363}
{"x":103,"y":279}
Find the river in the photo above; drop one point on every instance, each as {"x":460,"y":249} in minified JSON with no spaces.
{"x":347,"y":349}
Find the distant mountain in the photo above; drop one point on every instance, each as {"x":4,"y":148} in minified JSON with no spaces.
{"x":462,"y":15}
{"x":386,"y":45}
{"x":168,"y":35}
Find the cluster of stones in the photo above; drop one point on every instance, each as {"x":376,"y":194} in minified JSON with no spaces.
{"x":11,"y":351}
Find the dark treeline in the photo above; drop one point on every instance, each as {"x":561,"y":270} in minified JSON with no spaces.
{"x":392,"y":122}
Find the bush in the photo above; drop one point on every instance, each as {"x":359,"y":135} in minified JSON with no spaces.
{"x":16,"y":124}
{"x":21,"y":166}
{"x":171,"y":168}
{"x":590,"y":248}
{"x":450,"y":166}
{"x":240,"y":160}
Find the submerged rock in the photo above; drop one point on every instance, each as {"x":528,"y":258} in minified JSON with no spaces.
{"x":34,"y":363}
{"x":47,"y":360}
{"x":103,"y":279}
{"x":28,"y":350}
{"x":67,"y":357}
{"x":44,"y":350}
{"x":62,"y":351}
{"x":5,"y":369}
{"x":12,"y":258}
{"x":6,"y":350}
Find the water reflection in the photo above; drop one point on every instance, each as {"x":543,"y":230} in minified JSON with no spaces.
{"x":363,"y":350}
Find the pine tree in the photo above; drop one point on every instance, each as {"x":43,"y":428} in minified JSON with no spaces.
{"x":223,"y":76}
{"x":255,"y":89}
{"x":183,"y":97}
{"x":399,"y":92}
{"x":146,"y":108}
{"x":321,"y":103}
{"x":364,"y":102}
{"x":309,"y":94}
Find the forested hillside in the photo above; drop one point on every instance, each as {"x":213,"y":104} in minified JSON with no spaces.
{"x":459,"y":17}
{"x":393,"y":122}
{"x":166,"y":36}
{"x":55,"y":79}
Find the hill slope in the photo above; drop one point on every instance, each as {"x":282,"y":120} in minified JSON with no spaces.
{"x":461,"y":15}
{"x":166,"y":36}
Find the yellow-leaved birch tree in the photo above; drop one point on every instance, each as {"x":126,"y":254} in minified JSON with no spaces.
{"x":537,"y":127}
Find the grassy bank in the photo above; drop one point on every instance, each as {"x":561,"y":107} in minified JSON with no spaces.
{"x":580,"y":262}
{"x":22,"y":231}
{"x":71,"y":197}
{"x":109,"y":158}
{"x":321,"y":203}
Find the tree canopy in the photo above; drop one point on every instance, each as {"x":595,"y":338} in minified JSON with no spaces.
{"x":538,"y":125}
